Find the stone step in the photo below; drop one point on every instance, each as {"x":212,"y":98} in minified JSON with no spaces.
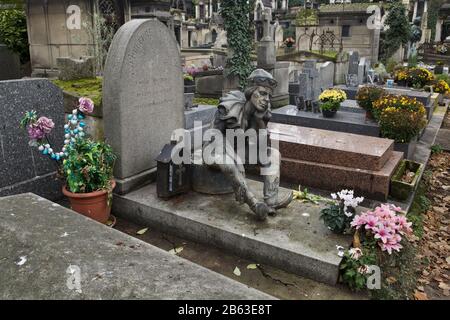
{"x":295,"y":240}
{"x":329,"y":147}
{"x":371,"y":184}
{"x":112,"y":265}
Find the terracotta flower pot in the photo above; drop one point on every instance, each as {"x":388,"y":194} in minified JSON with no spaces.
{"x":93,"y":205}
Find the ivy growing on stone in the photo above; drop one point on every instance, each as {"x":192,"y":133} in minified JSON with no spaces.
{"x":238,"y":25}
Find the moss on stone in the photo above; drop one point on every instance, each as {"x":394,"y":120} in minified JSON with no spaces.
{"x":90,"y":88}
{"x":206,"y":101}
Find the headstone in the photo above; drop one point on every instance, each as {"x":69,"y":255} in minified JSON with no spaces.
{"x":363,"y":68}
{"x":352,"y":80}
{"x":22,"y":168}
{"x":326,"y":73}
{"x":304,"y":85}
{"x":74,"y":69}
{"x":309,"y":67}
{"x":10,"y":64}
{"x":353,"y":62}
{"x":143,"y":98}
{"x":266,"y":54}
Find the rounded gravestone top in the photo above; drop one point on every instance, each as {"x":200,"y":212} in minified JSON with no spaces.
{"x":142,"y":94}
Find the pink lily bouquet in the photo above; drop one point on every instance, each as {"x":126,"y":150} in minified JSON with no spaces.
{"x":39,"y":128}
{"x":386,"y":225}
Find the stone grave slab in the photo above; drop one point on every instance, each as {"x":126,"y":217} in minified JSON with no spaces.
{"x":351,"y":106}
{"x":350,"y":122}
{"x":338,"y":148}
{"x":143,"y":98}
{"x":41,"y":240}
{"x":333,"y":161}
{"x":22,"y":168}
{"x":424,"y":97}
{"x":371,"y":184}
{"x":295,"y":240}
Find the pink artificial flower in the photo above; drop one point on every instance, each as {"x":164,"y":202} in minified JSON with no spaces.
{"x":35,"y":132}
{"x":405,"y":226}
{"x":382,"y":233}
{"x":86,"y":105}
{"x":358,"y":221}
{"x":390,"y":246}
{"x":371,"y":222}
{"x":45,"y":124}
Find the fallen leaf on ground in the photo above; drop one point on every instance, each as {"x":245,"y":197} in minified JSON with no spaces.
{"x":444,"y":286}
{"x":252,"y":266}
{"x":176,"y":250}
{"x":237,"y":271}
{"x":392,"y":280}
{"x":142,"y":231}
{"x":420,"y":296}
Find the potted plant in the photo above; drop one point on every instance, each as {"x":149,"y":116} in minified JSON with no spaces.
{"x":338,"y":216}
{"x":366,"y":96}
{"x":289,"y":44}
{"x":85,"y":165}
{"x":401,"y":118}
{"x":401,"y":76}
{"x":439,"y":67}
{"x":405,"y":179}
{"x":331,"y":101}
{"x":442,"y":88}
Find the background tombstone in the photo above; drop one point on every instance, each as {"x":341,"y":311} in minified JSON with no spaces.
{"x":353,"y":62}
{"x":326,"y":74}
{"x":10,"y":63}
{"x":22,"y":168}
{"x":363,"y":68}
{"x":74,"y":69}
{"x":143,"y":99}
{"x":309,"y":67}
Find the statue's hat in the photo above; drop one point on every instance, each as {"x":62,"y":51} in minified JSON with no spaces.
{"x":262,"y":78}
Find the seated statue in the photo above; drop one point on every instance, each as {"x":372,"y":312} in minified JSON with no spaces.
{"x":245,"y":113}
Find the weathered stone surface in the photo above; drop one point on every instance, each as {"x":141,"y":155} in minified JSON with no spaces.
{"x":143,"y":99}
{"x":10,"y":64}
{"x":112,"y":265}
{"x":73,"y":69}
{"x":295,"y":240}
{"x":329,"y":147}
{"x":22,"y":168}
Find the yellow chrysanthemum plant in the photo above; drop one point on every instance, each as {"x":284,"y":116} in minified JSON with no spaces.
{"x":416,"y":77}
{"x":441,"y":87}
{"x":331,"y":99}
{"x":401,"y":118}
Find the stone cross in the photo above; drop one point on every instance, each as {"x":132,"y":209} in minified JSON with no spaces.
{"x":267,"y":18}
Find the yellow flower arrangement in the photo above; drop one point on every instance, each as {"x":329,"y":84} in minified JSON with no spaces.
{"x":401,"y":118}
{"x":441,"y":87}
{"x":333,"y":95}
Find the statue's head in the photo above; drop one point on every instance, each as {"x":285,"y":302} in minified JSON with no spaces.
{"x":260,"y":88}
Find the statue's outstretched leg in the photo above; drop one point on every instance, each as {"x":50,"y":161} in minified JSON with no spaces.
{"x":271,"y":174}
{"x":234,"y":170}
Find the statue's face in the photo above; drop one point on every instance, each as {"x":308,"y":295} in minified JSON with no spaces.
{"x":261,"y":98}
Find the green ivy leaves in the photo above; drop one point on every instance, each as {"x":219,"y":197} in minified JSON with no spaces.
{"x":13,"y":32}
{"x":238,"y":26}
